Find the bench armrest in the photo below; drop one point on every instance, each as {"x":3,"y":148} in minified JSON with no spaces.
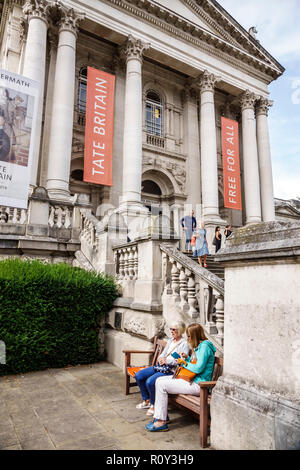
{"x":207,"y":384}
{"x":137,"y":352}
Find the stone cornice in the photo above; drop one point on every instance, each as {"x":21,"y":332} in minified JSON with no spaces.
{"x":179,"y":27}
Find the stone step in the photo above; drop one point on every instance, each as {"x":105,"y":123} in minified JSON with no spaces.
{"x":212,"y":265}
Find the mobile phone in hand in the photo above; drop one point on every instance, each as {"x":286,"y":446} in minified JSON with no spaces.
{"x":175,"y":355}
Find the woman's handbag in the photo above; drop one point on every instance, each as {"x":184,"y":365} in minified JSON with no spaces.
{"x":183,"y":373}
{"x":193,"y":241}
{"x":214,"y":241}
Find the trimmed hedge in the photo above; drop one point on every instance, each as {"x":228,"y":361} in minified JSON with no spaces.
{"x":50,"y":314}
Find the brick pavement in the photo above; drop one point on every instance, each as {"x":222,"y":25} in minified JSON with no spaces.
{"x":83,"y":407}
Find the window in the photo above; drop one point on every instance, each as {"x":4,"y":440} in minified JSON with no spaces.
{"x":154,"y":114}
{"x":82,"y":87}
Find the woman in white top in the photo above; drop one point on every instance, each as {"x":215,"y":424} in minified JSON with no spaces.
{"x":166,"y":365}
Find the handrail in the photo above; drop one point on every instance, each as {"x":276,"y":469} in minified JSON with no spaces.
{"x":211,"y":279}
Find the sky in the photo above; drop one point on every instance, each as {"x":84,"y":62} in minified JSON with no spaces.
{"x":277,"y":22}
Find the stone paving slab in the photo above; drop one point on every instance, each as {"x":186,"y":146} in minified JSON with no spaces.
{"x":83,"y":407}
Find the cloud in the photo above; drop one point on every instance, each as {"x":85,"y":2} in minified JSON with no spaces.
{"x":277,"y":22}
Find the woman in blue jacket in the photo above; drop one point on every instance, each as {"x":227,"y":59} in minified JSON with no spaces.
{"x":201,"y":362}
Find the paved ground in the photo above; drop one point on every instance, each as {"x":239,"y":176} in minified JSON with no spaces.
{"x":84,"y":408}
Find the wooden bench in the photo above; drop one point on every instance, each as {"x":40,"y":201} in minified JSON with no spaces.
{"x":199,"y":406}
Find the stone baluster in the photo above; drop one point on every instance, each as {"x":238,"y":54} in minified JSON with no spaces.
{"x":67,"y":222}
{"x":175,"y":280}
{"x":183,"y":290}
{"x":3,"y":215}
{"x":126,"y":266}
{"x":58,"y":213}
{"x":131,"y":263}
{"x":23,"y":216}
{"x":121,"y":264}
{"x":136,"y":262}
{"x":192,"y":300}
{"x":117,"y":263}
{"x":220,"y":317}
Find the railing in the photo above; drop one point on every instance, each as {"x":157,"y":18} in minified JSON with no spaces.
{"x":156,"y":141}
{"x":60,"y":216}
{"x":126,"y":261}
{"x":198,"y":293}
{"x":12,"y":215}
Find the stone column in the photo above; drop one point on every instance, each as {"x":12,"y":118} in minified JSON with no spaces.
{"x":208,"y":144}
{"x":192,"y":150}
{"x":35,"y":12}
{"x":264,"y":160}
{"x":132,"y":144}
{"x":250,"y":159}
{"x":48,"y":109}
{"x":60,"y":143}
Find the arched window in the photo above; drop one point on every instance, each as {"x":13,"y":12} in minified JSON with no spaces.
{"x":154,"y":114}
{"x":82,"y":87}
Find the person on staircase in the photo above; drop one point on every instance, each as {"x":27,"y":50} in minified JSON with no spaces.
{"x":201,"y":247}
{"x":218,"y":238}
{"x":189,"y":223}
{"x":166,"y":365}
{"x":201,"y":362}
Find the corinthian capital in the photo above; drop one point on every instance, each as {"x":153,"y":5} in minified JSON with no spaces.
{"x":263,"y":106}
{"x":207,"y":81}
{"x":248,"y":100}
{"x":134,"y":48}
{"x":70,"y":20}
{"x":36,"y":9}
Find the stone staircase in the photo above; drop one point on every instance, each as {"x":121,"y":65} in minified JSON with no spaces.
{"x":212,"y":265}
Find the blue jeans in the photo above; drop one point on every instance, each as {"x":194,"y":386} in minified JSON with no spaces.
{"x":146,"y":379}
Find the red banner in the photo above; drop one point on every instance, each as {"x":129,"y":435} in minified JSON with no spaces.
{"x":99,"y":127}
{"x":231,"y":164}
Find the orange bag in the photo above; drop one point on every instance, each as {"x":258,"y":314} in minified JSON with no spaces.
{"x":133,"y":370}
{"x":193,"y":241}
{"x":185,"y":374}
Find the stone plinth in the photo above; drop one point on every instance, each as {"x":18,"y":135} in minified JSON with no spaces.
{"x":255,"y":404}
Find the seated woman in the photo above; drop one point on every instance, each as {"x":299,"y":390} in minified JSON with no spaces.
{"x":166,"y":365}
{"x":200,"y":362}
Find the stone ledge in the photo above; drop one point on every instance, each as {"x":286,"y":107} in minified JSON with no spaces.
{"x":265,"y":240}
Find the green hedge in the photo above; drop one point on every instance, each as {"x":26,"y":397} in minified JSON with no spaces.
{"x":50,"y":314}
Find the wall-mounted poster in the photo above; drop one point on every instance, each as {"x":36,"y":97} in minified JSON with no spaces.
{"x":18,"y":110}
{"x":231,"y":164}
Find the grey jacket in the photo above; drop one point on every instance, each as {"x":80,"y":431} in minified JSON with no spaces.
{"x":182,"y":347}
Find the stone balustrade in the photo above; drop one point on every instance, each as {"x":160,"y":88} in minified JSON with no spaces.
{"x":12,"y":215}
{"x":60,"y":216}
{"x":126,"y":261}
{"x":156,"y":140}
{"x":197,"y":293}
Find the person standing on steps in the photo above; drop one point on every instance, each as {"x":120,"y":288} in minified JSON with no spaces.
{"x":218,"y":238}
{"x":189,"y":224}
{"x":201,"y":247}
{"x":227,"y":231}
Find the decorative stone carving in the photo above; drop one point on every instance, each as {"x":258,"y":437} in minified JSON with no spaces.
{"x":118,"y":65}
{"x":134,"y":48}
{"x":188,"y":94}
{"x":248,"y":100}
{"x":179,"y":174}
{"x":207,"y":81}
{"x":36,"y":9}
{"x":263,"y":106}
{"x":70,"y":20}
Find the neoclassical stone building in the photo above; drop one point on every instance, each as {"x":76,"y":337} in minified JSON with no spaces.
{"x":179,"y":67}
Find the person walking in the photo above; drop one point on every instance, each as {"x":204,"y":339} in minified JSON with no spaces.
{"x":189,"y":224}
{"x":218,"y":238}
{"x":201,"y":247}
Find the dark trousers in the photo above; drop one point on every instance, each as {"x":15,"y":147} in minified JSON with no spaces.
{"x":146,"y":379}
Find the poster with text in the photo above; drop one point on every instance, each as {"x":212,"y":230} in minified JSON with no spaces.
{"x":231,"y":164}
{"x":98,"y":149}
{"x":18,"y":109}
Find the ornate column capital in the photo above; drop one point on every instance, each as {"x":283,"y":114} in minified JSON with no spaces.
{"x":36,"y":9}
{"x":134,"y":48}
{"x":70,"y":20}
{"x":262,"y":106}
{"x":118,"y":65}
{"x":248,"y":100}
{"x":188,"y":94}
{"x":207,"y":81}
